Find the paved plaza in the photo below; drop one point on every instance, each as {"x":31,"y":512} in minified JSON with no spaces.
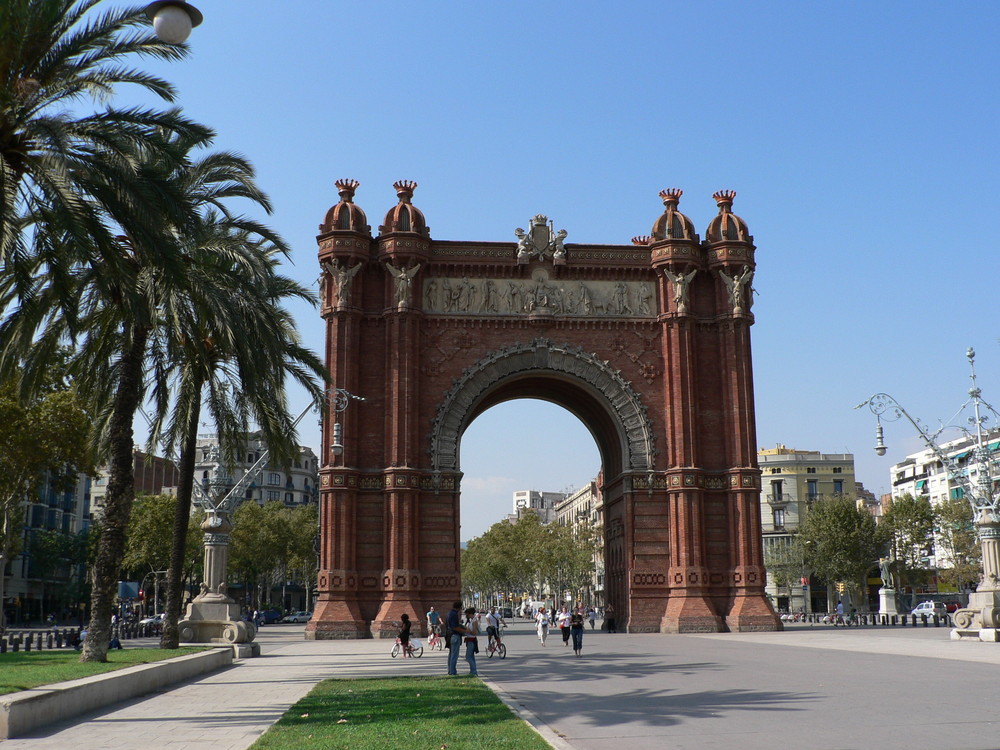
{"x":816,"y":687}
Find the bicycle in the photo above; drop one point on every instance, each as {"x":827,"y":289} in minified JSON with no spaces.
{"x":412,"y":651}
{"x":495,"y":645}
{"x":435,"y":641}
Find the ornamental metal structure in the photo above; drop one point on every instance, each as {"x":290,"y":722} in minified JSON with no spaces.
{"x":981,"y":619}
{"x":213,"y":616}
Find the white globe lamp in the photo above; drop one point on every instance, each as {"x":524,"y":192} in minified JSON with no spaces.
{"x":173,"y":20}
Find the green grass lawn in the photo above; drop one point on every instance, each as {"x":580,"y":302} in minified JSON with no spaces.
{"x":24,"y":670}
{"x":408,"y":713}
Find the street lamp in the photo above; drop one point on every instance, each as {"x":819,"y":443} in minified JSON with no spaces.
{"x":341,"y":400}
{"x":173,"y":20}
{"x":981,"y":619}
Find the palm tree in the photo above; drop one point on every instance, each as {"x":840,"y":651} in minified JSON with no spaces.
{"x":53,"y":54}
{"x":125,"y":300}
{"x":236,"y":349}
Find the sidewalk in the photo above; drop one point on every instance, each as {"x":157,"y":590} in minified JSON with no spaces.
{"x":819,"y":687}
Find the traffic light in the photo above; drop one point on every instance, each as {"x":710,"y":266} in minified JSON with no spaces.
{"x":141,"y":595}
{"x":840,"y":587}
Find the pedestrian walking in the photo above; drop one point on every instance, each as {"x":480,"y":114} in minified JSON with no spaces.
{"x":592,"y":616}
{"x":576,"y":629}
{"x":471,"y":642}
{"x":454,"y":630}
{"x":562,"y":619}
{"x":542,"y":624}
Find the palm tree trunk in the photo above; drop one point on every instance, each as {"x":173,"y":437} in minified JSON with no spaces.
{"x":118,"y":501}
{"x":182,"y":519}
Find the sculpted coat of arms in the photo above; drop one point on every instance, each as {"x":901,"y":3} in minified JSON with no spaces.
{"x":540,"y":241}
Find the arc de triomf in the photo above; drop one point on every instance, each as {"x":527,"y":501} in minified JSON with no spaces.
{"x":648,"y":344}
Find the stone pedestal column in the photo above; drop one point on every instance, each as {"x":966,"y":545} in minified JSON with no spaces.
{"x":213,"y":616}
{"x":887,"y":601}
{"x":981,"y":619}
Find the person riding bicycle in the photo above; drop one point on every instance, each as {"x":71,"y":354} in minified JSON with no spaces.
{"x":404,"y":635}
{"x":493,"y":621}
{"x":433,"y":621}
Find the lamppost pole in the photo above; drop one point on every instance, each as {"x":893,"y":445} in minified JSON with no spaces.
{"x":981,"y":619}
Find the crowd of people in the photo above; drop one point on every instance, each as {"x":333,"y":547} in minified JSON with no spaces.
{"x":460,"y":628}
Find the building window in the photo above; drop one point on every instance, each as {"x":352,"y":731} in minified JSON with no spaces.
{"x":779,"y":517}
{"x":289,"y":498}
{"x":776,"y":471}
{"x":838,"y":486}
{"x":274,"y":478}
{"x":811,"y":489}
{"x":811,"y":470}
{"x":838,"y":469}
{"x":273,"y":495}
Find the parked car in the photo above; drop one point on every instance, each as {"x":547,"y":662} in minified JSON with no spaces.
{"x":297,"y":617}
{"x":508,"y":613}
{"x":930,"y":609}
{"x":270,"y":616}
{"x":153,"y":620}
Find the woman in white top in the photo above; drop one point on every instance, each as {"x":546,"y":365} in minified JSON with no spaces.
{"x":563,"y":619}
{"x":542,"y":623}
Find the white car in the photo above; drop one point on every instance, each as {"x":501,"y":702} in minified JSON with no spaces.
{"x":297,"y":617}
{"x":930,"y":609}
{"x":154,"y":620}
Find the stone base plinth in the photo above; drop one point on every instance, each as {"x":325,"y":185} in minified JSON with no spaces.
{"x":887,"y":602}
{"x":216,"y":631}
{"x":752,"y":613}
{"x":691,"y":614}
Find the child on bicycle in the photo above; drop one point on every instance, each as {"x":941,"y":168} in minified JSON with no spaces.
{"x":404,"y":635}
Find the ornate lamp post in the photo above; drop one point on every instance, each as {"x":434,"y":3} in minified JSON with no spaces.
{"x":981,"y":619}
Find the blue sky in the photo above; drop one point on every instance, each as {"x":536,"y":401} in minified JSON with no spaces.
{"x":860,"y":138}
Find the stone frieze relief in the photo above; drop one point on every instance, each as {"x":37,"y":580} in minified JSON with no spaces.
{"x":540,"y":294}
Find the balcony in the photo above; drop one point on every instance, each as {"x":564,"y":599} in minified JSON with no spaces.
{"x":779,"y":498}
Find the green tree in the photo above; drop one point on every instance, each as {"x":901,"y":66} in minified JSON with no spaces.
{"x":239,"y":378}
{"x":56,"y":56}
{"x":841,"y":541}
{"x":149,"y":539}
{"x":526,"y":554}
{"x":957,"y":543}
{"x":44,"y":437}
{"x":784,"y":562}
{"x":87,"y":215}
{"x":908,"y":526}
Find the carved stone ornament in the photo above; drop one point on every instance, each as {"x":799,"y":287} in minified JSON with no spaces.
{"x":540,"y":242}
{"x":559,"y":297}
{"x":680,"y":282}
{"x":403,"y":280}
{"x":342,"y":277}
{"x":738,"y":285}
{"x":541,"y":355}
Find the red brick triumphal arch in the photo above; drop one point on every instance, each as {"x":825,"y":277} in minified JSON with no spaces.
{"x":648,"y":344}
